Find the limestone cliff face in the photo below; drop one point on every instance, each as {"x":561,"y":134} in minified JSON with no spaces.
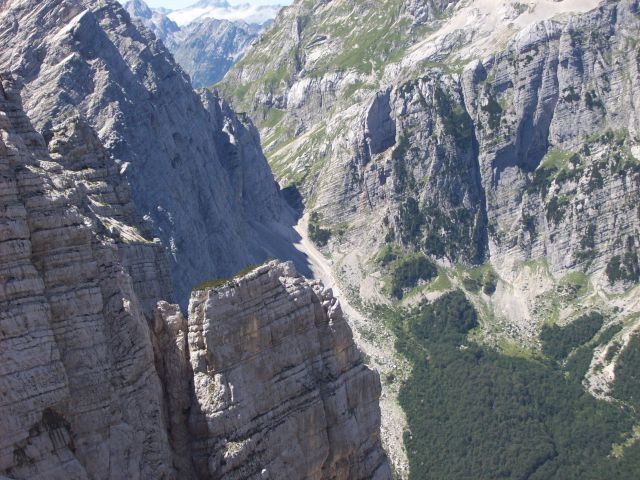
{"x":120,"y":188}
{"x":499,"y":139}
{"x":528,"y":152}
{"x":80,"y":395}
{"x":280,"y":388}
{"x":98,"y":382}
{"x":88,"y":58}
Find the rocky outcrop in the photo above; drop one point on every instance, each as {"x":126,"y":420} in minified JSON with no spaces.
{"x":88,"y":58}
{"x":156,"y":21}
{"x":121,"y":187}
{"x":522,"y":155}
{"x":273,"y":359}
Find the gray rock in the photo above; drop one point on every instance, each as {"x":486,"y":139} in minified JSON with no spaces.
{"x":273,"y":359}
{"x":87,"y":58}
{"x":263,"y":381}
{"x":81,"y":397}
{"x":205,"y":48}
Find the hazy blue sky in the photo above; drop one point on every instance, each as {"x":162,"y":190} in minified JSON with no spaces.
{"x":173,"y":4}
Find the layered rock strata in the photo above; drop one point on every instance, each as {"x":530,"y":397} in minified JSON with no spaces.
{"x":98,"y":384}
{"x":80,"y":394}
{"x":88,"y":58}
{"x":280,"y":387}
{"x":471,"y":150}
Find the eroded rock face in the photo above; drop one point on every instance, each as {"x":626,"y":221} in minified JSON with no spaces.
{"x":263,"y":381}
{"x":528,"y":152}
{"x":88,"y":58}
{"x":280,"y":387}
{"x":80,"y":394}
{"x":126,"y":190}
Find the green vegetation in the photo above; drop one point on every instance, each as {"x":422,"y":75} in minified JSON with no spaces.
{"x":627,"y":384}
{"x":557,"y":342}
{"x":455,"y":119}
{"x":219,"y":282}
{"x":408,"y":271}
{"x":441,"y":284}
{"x":624,"y":267}
{"x":494,"y":109}
{"x":411,"y":221}
{"x":592,"y":100}
{"x":607,"y":335}
{"x":320,"y":236}
{"x":387,"y":254}
{"x":404,"y":179}
{"x":570,"y":94}
{"x":476,"y":413}
{"x":483,"y":277}
{"x":557,"y":165}
{"x":556,"y":209}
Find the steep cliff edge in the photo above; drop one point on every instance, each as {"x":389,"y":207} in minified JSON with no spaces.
{"x":501,"y":142}
{"x":88,"y":58}
{"x":489,"y":146}
{"x":120,"y":188}
{"x":80,"y":396}
{"x":264,"y":380}
{"x":280,"y":387}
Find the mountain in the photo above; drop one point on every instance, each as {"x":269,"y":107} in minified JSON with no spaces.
{"x":122,"y":188}
{"x":223,"y":10}
{"x":154,"y":19}
{"x":206,"y":47}
{"x":204,"y":192}
{"x":487,"y":147}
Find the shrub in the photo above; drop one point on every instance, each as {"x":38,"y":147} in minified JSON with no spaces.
{"x":489,"y":282}
{"x":387,"y":255}
{"x":219,"y":282}
{"x":624,"y":267}
{"x":557,"y":342}
{"x":494,"y":109}
{"x":475,"y":413}
{"x":409,"y":271}
{"x":320,"y":236}
{"x":627,"y":384}
{"x":411,"y":221}
{"x":556,"y":209}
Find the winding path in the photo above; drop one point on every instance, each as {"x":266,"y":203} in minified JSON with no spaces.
{"x":321,"y":269}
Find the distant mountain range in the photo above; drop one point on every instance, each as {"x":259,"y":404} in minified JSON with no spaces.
{"x":208,"y":37}
{"x":222,"y":10}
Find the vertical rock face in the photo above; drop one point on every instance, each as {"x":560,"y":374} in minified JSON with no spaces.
{"x":529,"y":152}
{"x":559,"y":160}
{"x":88,"y":58}
{"x":280,"y":388}
{"x":80,"y":394}
{"x":121,"y":187}
{"x":264,"y":381}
